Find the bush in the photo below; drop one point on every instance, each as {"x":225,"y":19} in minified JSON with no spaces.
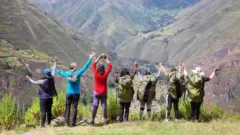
{"x":32,"y":115}
{"x":10,"y":114}
{"x":160,"y":115}
{"x":113,"y":107}
{"x":217,"y":112}
{"x":84,"y":111}
{"x":58,"y":108}
{"x":184,"y":109}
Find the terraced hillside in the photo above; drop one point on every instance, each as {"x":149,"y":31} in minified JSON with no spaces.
{"x":206,"y":34}
{"x":27,"y":34}
{"x":114,"y":21}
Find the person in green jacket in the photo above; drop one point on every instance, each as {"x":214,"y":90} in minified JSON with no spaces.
{"x":195,"y":89}
{"x":176,"y":87}
{"x":125,"y":91}
{"x":146,"y":91}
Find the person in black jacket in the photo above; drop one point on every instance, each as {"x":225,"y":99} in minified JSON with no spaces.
{"x":46,"y":93}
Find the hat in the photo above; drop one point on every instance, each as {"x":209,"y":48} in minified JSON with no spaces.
{"x":197,"y":70}
{"x":47,"y":72}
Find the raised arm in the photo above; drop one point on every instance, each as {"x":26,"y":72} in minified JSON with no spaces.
{"x":109,"y":67}
{"x":61,"y":73}
{"x":53,"y":68}
{"x":159,"y":71}
{"x":135,"y":69}
{"x":30,"y":71}
{"x":84,"y":68}
{"x":139,"y":76}
{"x":213,"y":74}
{"x":38,"y":82}
{"x":163,"y":69}
{"x":184,"y":70}
{"x":115,"y":77}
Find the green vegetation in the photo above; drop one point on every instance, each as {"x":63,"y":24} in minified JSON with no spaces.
{"x":10,"y":113}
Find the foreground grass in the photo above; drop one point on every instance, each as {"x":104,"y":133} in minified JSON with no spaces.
{"x":146,"y":128}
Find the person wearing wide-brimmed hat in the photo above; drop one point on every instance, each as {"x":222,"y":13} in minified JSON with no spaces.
{"x":46,"y":93}
{"x":195,"y":88}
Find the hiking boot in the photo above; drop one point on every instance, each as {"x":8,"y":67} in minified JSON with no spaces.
{"x":92,"y":122}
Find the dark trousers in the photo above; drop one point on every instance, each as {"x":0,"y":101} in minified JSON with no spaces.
{"x":46,"y":110}
{"x":195,"y":110}
{"x":124,"y":109}
{"x":71,"y":100}
{"x":96,"y":99}
{"x":170,"y":101}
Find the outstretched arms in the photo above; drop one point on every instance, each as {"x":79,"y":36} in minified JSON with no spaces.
{"x":109,"y":67}
{"x":163,"y":69}
{"x":84,"y":68}
{"x":35,"y":82}
{"x":213,"y":74}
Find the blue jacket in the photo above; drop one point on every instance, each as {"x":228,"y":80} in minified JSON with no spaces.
{"x":74,"y":87}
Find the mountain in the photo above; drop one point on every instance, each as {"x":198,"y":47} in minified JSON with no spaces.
{"x":114,"y":21}
{"x":206,"y":34}
{"x":28,"y":34}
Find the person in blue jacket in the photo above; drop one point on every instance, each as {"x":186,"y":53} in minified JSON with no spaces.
{"x":73,"y":89}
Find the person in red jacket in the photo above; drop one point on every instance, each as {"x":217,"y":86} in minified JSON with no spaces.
{"x":100,"y":87}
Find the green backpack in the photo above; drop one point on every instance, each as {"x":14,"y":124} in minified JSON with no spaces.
{"x":125,"y":88}
{"x":142,"y":87}
{"x":176,"y":84}
{"x":194,"y":85}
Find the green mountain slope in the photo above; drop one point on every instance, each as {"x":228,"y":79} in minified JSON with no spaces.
{"x":114,"y":21}
{"x":207,"y":35}
{"x":30,"y":36}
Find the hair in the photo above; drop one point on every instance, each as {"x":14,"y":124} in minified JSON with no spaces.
{"x":147,"y":73}
{"x":101,"y":69}
{"x":124,"y":72}
{"x":173,"y":69}
{"x":72,"y":65}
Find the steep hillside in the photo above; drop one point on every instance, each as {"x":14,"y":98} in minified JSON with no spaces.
{"x":114,"y":21}
{"x":30,"y":36}
{"x":207,"y":35}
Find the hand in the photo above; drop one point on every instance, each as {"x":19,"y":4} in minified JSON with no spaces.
{"x":160,"y":64}
{"x":55,"y":58}
{"x":27,"y":77}
{"x":27,"y":65}
{"x":215,"y":69}
{"x":92,"y":55}
{"x":105,"y":56}
{"x":136,"y":64}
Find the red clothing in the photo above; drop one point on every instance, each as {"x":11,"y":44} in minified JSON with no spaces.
{"x":100,"y":81}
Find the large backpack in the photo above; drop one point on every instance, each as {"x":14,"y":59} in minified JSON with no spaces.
{"x":125,"y":88}
{"x":194,"y":85}
{"x":146,"y":89}
{"x":176,"y":84}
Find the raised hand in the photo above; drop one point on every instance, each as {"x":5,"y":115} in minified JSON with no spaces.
{"x":27,"y":77}
{"x":55,"y":58}
{"x":92,"y":55}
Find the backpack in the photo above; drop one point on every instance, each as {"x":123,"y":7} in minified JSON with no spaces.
{"x":194,"y":85}
{"x":125,"y":82}
{"x":72,"y":78}
{"x":146,"y":89}
{"x":176,"y":84}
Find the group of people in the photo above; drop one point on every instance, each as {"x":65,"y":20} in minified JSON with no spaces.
{"x":179,"y":82}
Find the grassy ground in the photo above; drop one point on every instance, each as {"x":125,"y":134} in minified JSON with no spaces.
{"x":146,"y":128}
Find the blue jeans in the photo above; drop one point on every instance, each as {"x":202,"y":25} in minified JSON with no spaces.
{"x":96,"y":99}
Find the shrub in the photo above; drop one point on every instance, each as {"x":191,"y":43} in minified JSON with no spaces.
{"x":184,"y":109}
{"x":58,"y":108}
{"x":10,"y":114}
{"x":32,"y":115}
{"x":217,"y":112}
{"x":160,"y":115}
{"x":84,"y":111}
{"x":113,"y":107}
